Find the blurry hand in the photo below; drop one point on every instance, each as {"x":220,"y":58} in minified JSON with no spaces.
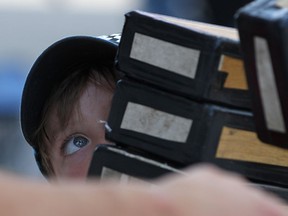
{"x":207,"y":191}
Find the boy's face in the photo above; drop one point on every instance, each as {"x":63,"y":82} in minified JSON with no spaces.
{"x":72,"y":149}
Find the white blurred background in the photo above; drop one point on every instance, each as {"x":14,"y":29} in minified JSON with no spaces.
{"x":27,"y":27}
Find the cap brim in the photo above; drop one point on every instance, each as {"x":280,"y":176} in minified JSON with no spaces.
{"x":51,"y":68}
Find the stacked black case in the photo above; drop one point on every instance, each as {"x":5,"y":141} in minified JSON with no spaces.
{"x":175,"y":119}
{"x":181,"y":132}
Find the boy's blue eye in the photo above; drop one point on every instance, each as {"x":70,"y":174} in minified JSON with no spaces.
{"x":80,"y":141}
{"x":74,"y":144}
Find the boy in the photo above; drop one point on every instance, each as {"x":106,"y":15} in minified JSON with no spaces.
{"x":66,"y":95}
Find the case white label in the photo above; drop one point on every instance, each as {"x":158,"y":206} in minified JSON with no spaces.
{"x":281,"y":3}
{"x":268,"y":89}
{"x":172,"y":57}
{"x":156,"y":123}
{"x":111,"y":174}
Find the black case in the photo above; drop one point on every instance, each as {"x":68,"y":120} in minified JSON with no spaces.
{"x":124,"y":165}
{"x":213,"y":132}
{"x":115,"y":162}
{"x":263,"y":32}
{"x":155,"y":121}
{"x":181,"y":57}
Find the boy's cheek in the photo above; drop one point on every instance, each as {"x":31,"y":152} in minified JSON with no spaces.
{"x":74,"y":166}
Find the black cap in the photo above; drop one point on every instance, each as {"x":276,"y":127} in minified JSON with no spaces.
{"x":50,"y":69}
